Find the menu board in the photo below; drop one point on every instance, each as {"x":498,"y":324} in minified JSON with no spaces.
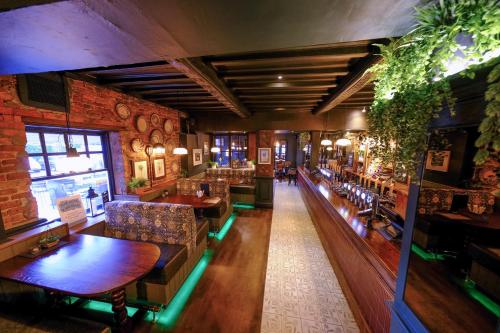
{"x":71,"y":209}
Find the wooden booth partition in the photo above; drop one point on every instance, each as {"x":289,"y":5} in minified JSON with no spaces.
{"x":367,"y":279}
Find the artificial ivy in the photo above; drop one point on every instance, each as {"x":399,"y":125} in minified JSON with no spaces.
{"x":411,"y":84}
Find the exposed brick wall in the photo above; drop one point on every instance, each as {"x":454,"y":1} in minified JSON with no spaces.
{"x":265,"y":139}
{"x":252,"y":147}
{"x":91,"y":107}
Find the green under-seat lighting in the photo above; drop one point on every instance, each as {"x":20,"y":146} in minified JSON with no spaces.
{"x":428,"y":256}
{"x":241,"y":205}
{"x":225,"y":228}
{"x":105,"y":307}
{"x":488,"y":303}
{"x":168,"y":317}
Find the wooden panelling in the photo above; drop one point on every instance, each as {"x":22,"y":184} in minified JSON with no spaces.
{"x":367,"y":280}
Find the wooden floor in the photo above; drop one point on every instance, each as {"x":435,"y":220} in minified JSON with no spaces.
{"x":229,"y":295}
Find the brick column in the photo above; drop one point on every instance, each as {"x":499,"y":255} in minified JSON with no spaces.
{"x":264,"y":173}
{"x":17,"y":204}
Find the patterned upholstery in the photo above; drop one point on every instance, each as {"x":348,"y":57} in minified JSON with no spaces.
{"x":218,"y":188}
{"x":243,"y":176}
{"x":432,"y":200}
{"x":153,"y":222}
{"x":480,"y":202}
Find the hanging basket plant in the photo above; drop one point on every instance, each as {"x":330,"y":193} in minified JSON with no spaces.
{"x":411,"y":83}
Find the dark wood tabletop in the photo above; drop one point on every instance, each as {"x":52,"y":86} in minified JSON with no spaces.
{"x":192,"y":200}
{"x":88,"y":266}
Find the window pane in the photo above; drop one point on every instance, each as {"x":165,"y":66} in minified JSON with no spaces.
{"x":96,"y":161}
{"x":60,"y":164}
{"x":78,"y":142}
{"x":55,"y":143}
{"x":94,"y":142}
{"x":33,"y":145}
{"x":37,"y":167}
{"x":47,"y":192}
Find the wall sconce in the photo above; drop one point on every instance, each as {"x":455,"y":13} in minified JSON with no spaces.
{"x":158,"y":149}
{"x":180,"y":151}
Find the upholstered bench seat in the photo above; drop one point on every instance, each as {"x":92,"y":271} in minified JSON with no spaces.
{"x":485,"y":269}
{"x":202,"y":228}
{"x":243,"y":189}
{"x":172,"y":257}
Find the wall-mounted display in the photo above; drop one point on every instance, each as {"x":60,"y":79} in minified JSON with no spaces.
{"x":159,"y":168}
{"x":206,"y":150}
{"x":156,"y":137}
{"x":168,"y":126}
{"x":140,"y":169}
{"x":155,"y":120}
{"x":438,"y":160}
{"x":169,"y":147}
{"x":137,"y":145}
{"x":122,"y":111}
{"x":175,"y":167}
{"x":264,"y":156}
{"x":197,"y":158}
{"x":141,"y":124}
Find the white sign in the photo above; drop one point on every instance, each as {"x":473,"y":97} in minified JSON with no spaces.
{"x":71,"y":209}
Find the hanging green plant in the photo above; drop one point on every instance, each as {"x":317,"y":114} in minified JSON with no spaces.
{"x":411,"y":85}
{"x":489,"y":139}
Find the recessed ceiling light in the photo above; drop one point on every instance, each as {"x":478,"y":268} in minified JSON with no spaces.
{"x":280,"y":77}
{"x":364,"y":110}
{"x":280,"y":109}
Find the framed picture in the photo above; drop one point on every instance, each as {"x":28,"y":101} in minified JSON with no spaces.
{"x":264,"y":156}
{"x":438,"y":160}
{"x":206,"y":149}
{"x":197,"y":158}
{"x":159,"y":168}
{"x":140,"y":169}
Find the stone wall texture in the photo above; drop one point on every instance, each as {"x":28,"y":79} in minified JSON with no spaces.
{"x":91,"y":107}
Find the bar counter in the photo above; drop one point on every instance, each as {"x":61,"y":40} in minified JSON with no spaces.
{"x":364,"y":261}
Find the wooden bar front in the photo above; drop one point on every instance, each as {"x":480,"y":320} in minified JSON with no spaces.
{"x":365,"y":262}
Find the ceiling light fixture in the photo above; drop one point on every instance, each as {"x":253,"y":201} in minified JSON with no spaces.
{"x":343,"y":142}
{"x":180,"y":151}
{"x":329,"y":148}
{"x":280,"y":77}
{"x":364,"y":110}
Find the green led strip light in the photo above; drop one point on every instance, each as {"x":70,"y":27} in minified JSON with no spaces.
{"x":105,"y":307}
{"x":488,"y":303}
{"x":241,"y":205}
{"x":225,"y":229}
{"x":426,"y":255}
{"x":168,"y":317}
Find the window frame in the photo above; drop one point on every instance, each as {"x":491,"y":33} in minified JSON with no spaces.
{"x":229,"y":137}
{"x":63,"y":131}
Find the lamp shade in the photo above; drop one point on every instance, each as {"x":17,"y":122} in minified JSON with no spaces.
{"x":215,"y":150}
{"x":343,"y":142}
{"x":180,"y":151}
{"x":329,"y":148}
{"x":148,"y":150}
{"x":158,"y":149}
{"x":326,"y":142}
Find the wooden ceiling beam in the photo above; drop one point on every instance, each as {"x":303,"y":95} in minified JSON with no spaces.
{"x":287,"y":74}
{"x":177,"y":89}
{"x":290,"y":68}
{"x":319,"y":80}
{"x":284,"y":95}
{"x":206,"y":77}
{"x":182,"y":98}
{"x":349,"y":85}
{"x":140,"y":78}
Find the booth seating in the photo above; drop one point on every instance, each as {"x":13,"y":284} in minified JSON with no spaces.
{"x":242,"y":182}
{"x":174,"y":229}
{"x":485,"y":269}
{"x":218,"y":215}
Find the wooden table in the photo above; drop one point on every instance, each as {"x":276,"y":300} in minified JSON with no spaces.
{"x":88,"y":266}
{"x":192,"y":200}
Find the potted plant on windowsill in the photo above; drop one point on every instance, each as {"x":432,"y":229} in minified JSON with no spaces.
{"x":136,"y":185}
{"x":213,"y":164}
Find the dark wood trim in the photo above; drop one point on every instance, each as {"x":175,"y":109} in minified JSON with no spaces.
{"x":205,"y":76}
{"x":350,"y":85}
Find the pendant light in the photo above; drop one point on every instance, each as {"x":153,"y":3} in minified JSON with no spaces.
{"x":343,"y":142}
{"x":326,"y":141}
{"x":71,"y":151}
{"x":180,"y":151}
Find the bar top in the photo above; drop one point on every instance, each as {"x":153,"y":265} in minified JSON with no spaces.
{"x":382,"y":252}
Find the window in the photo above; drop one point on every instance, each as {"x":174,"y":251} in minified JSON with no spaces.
{"x":280,"y":150}
{"x":55,"y":176}
{"x":233,"y":150}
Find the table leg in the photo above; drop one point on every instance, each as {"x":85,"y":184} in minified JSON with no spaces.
{"x":119,"y":309}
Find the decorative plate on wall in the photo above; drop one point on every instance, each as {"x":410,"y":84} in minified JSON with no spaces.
{"x":168,"y":126}
{"x":137,"y":145}
{"x":169,"y":147}
{"x":122,"y":111}
{"x":155,"y":120}
{"x":156,"y":137}
{"x":175,"y":166}
{"x":142,"y":124}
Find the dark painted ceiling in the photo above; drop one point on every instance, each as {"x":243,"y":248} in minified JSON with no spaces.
{"x":79,"y":34}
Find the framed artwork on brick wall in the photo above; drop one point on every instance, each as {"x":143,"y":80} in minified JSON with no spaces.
{"x":264,"y":156}
{"x":197,"y":159}
{"x":159,"y":168}
{"x":140,"y":169}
